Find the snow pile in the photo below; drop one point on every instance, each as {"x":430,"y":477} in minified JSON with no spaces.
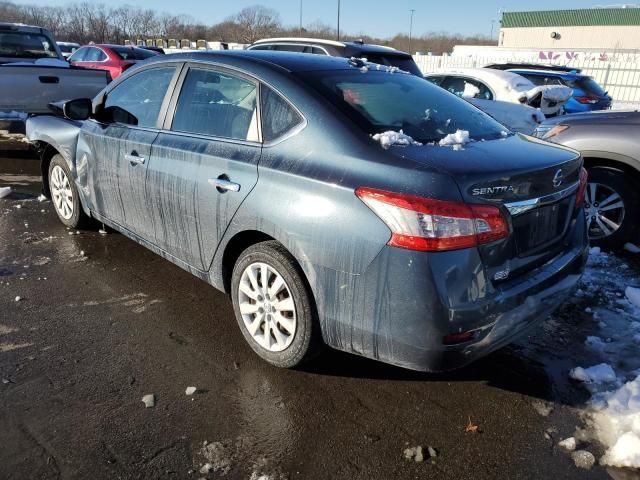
{"x":459,"y":138}
{"x":602,"y":373}
{"x":632,"y":248}
{"x":633,"y":295}
{"x":390,"y":138}
{"x":557,"y":93}
{"x":470,"y":90}
{"x":613,"y":413}
{"x":617,"y":424}
{"x":4,"y":191}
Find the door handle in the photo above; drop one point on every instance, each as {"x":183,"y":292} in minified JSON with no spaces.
{"x":48,"y":79}
{"x":223,"y":184}
{"x":134,"y":160}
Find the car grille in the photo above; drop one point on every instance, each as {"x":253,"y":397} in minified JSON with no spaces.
{"x":538,"y":228}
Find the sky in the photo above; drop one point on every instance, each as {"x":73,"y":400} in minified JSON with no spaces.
{"x":376,"y":18}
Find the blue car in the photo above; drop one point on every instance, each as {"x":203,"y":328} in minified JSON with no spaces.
{"x":587,"y":96}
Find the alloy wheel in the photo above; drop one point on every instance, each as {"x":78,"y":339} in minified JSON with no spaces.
{"x":267,"y":307}
{"x":604,"y":209}
{"x":61,"y":192}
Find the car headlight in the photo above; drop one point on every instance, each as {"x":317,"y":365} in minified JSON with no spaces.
{"x":547,"y":132}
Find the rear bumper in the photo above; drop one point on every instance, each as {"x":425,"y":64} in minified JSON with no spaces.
{"x":407,"y":302}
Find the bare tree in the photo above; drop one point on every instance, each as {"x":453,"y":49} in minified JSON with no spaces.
{"x":85,"y":22}
{"x":257,"y":22}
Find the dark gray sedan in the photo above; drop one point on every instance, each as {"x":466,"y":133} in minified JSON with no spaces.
{"x":338,"y":202}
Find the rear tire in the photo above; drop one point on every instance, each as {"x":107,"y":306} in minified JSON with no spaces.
{"x":274,"y":306}
{"x":612,"y":207}
{"x":64,"y":194}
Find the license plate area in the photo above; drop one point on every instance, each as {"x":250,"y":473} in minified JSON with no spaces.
{"x":540,"y":227}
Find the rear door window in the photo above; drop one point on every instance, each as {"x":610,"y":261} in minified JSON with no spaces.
{"x":79,"y":56}
{"x":217,"y":104}
{"x":94,"y":54}
{"x":278,"y":116}
{"x":138,"y":99}
{"x":588,"y":85}
{"x":457,"y":85}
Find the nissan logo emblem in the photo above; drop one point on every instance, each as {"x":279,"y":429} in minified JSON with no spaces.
{"x":558,"y":178}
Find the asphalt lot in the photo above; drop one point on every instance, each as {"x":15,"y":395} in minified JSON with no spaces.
{"x":101,"y":322}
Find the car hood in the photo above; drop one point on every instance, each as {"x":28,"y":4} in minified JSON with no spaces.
{"x":604,"y":116}
{"x":514,"y":168}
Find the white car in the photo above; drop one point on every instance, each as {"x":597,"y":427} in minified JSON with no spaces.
{"x":516,"y":117}
{"x":504,"y":86}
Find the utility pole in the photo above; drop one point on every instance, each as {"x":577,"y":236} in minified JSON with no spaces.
{"x":491,"y":36}
{"x":338,"y":20}
{"x":411,"y":30}
{"x":300,"y":17}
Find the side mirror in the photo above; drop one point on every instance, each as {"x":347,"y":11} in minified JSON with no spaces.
{"x":79,"y":109}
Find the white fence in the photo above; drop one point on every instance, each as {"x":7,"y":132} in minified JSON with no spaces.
{"x":620,"y":78}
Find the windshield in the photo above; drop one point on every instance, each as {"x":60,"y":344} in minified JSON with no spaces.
{"x":379,"y":101}
{"x":26,"y":45}
{"x":67,"y":48}
{"x":403,"y":62}
{"x":128,"y":53}
{"x":588,"y":85}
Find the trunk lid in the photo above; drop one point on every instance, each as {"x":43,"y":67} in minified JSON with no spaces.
{"x":531,"y":181}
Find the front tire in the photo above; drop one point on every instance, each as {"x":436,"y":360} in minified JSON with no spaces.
{"x":612,"y":207}
{"x":64,"y":194}
{"x":273,"y":305}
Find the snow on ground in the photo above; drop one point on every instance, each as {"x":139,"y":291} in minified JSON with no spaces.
{"x":612,"y":415}
{"x":459,"y":138}
{"x":390,"y":138}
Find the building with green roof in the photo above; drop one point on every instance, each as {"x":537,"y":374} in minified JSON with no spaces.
{"x":587,"y":28}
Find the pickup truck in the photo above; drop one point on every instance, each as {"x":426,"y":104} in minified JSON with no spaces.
{"x":34,"y":73}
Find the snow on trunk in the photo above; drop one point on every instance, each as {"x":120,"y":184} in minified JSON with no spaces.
{"x":459,"y":138}
{"x":390,"y":138}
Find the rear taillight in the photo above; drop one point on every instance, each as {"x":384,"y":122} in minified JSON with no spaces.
{"x":426,"y":224}
{"x":582,"y":187}
{"x":587,"y":100}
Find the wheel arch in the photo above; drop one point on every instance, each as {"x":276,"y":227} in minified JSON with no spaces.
{"x":47,"y":152}
{"x":234,"y":248}
{"x":621,"y":164}
{"x":242,"y":240}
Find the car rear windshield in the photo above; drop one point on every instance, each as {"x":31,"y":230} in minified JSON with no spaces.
{"x":588,"y":85}
{"x":128,"y":53}
{"x":26,"y":45}
{"x":403,"y":62}
{"x":380,"y":101}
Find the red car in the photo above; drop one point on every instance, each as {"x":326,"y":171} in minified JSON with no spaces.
{"x":113,"y":58}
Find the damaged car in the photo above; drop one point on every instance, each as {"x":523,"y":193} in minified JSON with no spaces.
{"x":490,"y":84}
{"x":337,"y":203}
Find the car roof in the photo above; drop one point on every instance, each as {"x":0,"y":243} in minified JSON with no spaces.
{"x":548,"y":73}
{"x":21,"y":27}
{"x":292,"y":62}
{"x":357,"y":45}
{"x":486,"y":74}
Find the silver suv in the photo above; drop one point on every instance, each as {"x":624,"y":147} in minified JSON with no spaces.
{"x":610,"y":144}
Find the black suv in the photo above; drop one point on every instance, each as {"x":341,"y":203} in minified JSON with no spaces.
{"x":373,"y":53}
